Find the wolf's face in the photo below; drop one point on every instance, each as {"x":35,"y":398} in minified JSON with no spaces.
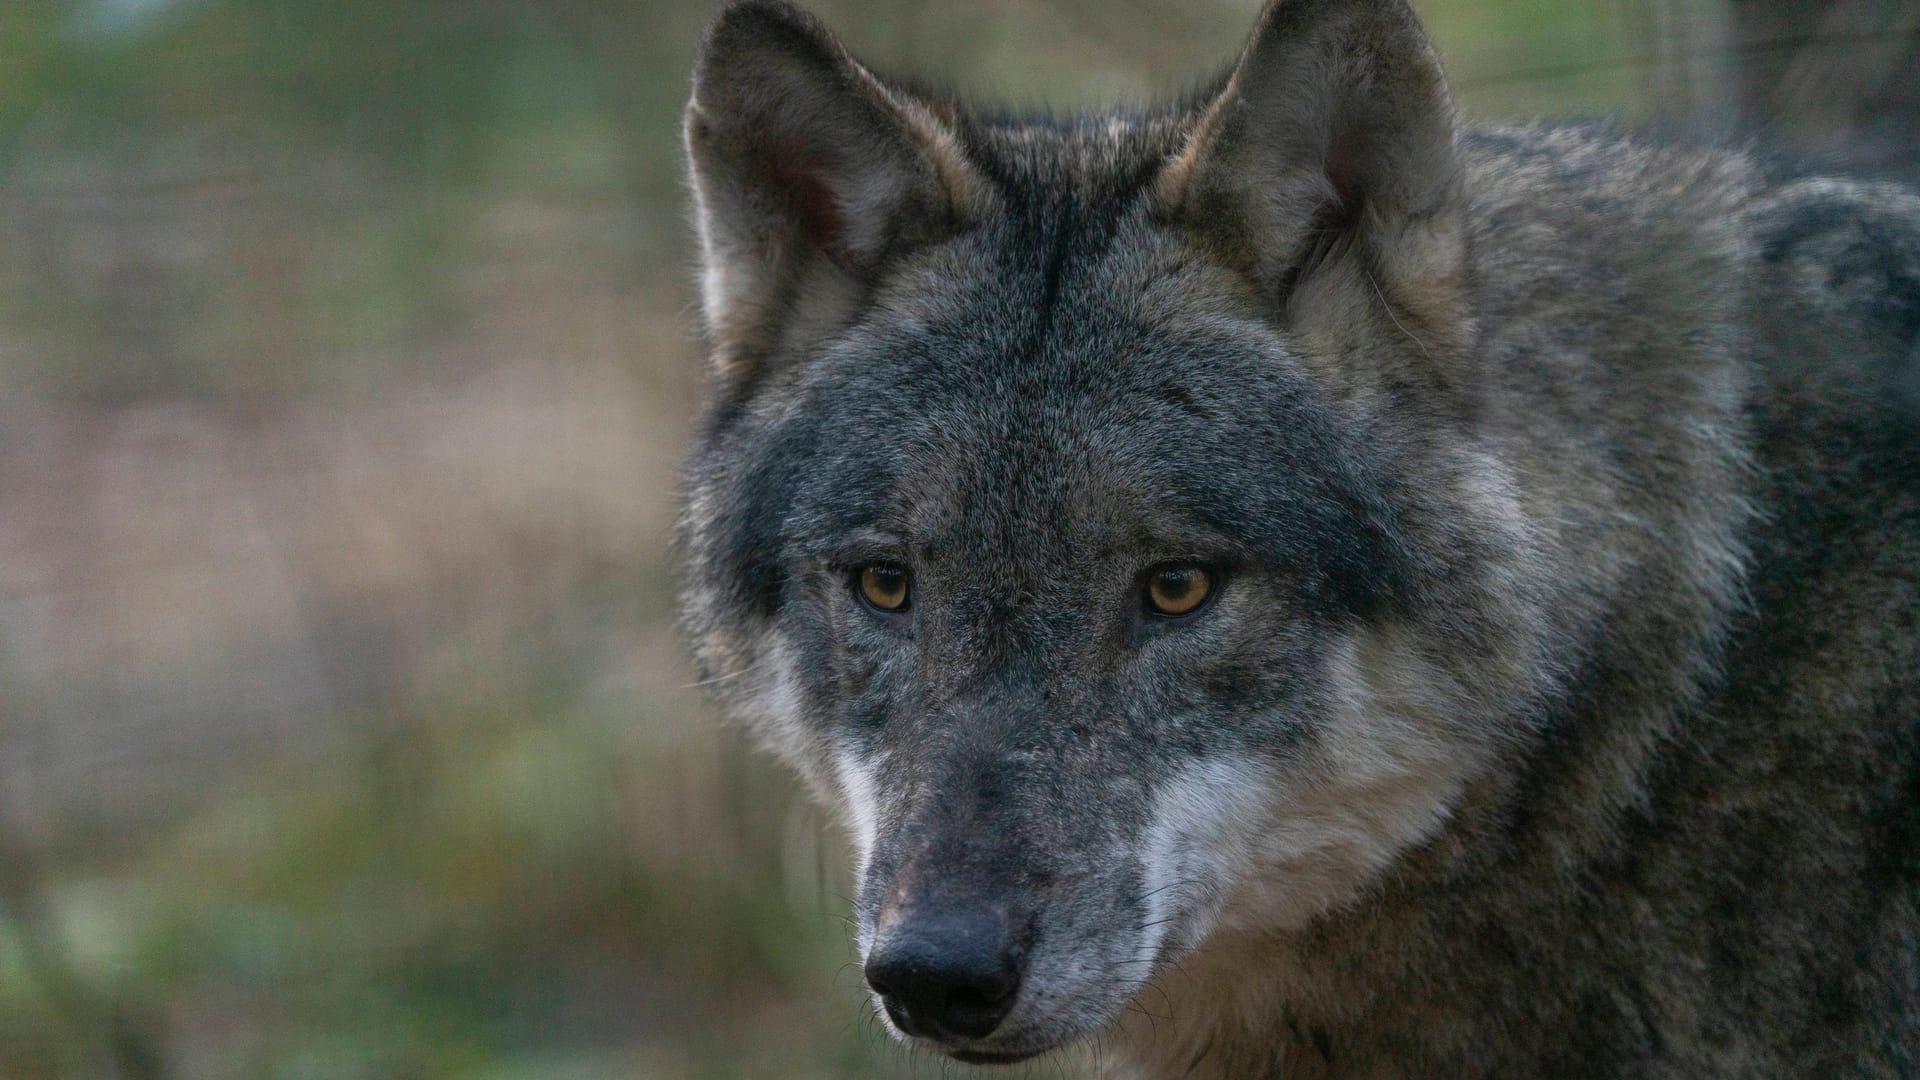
{"x":1062,"y":514}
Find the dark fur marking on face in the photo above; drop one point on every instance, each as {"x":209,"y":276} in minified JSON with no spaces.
{"x":1172,"y":392}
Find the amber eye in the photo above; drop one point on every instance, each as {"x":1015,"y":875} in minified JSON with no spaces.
{"x":1177,"y":590}
{"x":884,"y":585}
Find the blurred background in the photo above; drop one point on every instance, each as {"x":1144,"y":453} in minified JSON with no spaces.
{"x":346,"y":358}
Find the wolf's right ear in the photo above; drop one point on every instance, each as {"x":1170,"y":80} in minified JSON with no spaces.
{"x":808,"y":174}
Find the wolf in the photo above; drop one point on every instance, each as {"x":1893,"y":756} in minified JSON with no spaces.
{"x":1285,"y":583}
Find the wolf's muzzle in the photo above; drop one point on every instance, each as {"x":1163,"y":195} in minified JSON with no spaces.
{"x":948,"y":972}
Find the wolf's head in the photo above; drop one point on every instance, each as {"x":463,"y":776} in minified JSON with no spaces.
{"x":1090,"y":509}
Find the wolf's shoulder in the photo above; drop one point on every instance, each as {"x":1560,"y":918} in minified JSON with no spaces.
{"x":1838,"y":262}
{"x":1618,"y":229}
{"x":1601,"y":167}
{"x":1786,"y":211}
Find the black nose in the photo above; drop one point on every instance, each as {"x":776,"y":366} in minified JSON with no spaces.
{"x":950,"y":972}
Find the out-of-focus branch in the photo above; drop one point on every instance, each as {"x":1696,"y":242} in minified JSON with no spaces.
{"x":1823,"y":88}
{"x":1733,"y":56}
{"x":1847,"y":84}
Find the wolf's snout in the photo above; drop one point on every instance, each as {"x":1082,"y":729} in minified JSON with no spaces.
{"x":948,"y":973}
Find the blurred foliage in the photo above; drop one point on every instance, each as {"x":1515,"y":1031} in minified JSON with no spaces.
{"x":199,"y":183}
{"x":343,"y":368}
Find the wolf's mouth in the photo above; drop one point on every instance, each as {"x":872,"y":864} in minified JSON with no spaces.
{"x":993,"y":1057}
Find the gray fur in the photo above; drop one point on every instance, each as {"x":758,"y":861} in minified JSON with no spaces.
{"x":1555,"y":712}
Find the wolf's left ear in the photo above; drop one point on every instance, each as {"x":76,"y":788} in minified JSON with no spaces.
{"x":808,"y":173}
{"x":1326,"y":166}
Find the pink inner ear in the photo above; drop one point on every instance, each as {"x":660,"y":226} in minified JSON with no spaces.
{"x":1343,"y":169}
{"x":802,"y":180}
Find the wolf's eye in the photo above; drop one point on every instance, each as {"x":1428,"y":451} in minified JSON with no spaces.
{"x":1175,"y":590}
{"x":884,"y":586}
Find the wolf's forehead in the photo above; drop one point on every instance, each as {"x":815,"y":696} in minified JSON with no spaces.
{"x":1058,"y":305}
{"x":1052,"y":458}
{"x":1065,"y":383}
